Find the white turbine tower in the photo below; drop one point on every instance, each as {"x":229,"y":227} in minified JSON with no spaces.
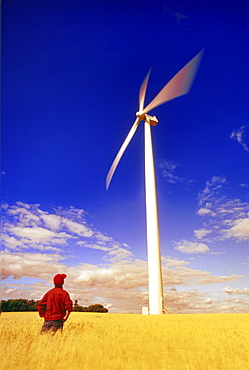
{"x":179,"y":85}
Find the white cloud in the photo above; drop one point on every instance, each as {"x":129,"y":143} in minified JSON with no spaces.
{"x":201,"y":233}
{"x":110,"y":282}
{"x":24,"y":216}
{"x":229,"y":217}
{"x":118,"y":253}
{"x":244,"y":185}
{"x":11,"y":242}
{"x":121,"y":274}
{"x":212,"y":279}
{"x":116,"y":276}
{"x":52,"y":222}
{"x":223,"y":252}
{"x":240,"y":136}
{"x":167,"y":168}
{"x":37,"y":265}
{"x":27,"y":226}
{"x":39,"y":235}
{"x":238,"y":230}
{"x":77,"y":228}
{"x":206,"y":212}
{"x":212,"y":187}
{"x":103,"y":238}
{"x":10,"y":291}
{"x":173,"y":262}
{"x":236,"y":291}
{"x":93,"y":246}
{"x":189,"y":247}
{"x":18,"y":244}
{"x":24,"y":205}
{"x":208,"y":301}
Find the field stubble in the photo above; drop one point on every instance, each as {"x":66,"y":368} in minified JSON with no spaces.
{"x":124,"y":341}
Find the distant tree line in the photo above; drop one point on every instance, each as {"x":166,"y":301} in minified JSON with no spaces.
{"x":14,"y":305}
{"x":17,"y":305}
{"x":91,"y":308}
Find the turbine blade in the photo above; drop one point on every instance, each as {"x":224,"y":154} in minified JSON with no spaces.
{"x":179,"y":85}
{"x":121,"y":152}
{"x":142,"y":91}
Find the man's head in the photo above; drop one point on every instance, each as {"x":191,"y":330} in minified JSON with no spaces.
{"x":59,"y":279}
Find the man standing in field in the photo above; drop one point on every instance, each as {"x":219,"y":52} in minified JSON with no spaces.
{"x":55,"y":306}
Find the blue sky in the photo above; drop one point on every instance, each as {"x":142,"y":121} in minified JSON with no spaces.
{"x":71,"y":73}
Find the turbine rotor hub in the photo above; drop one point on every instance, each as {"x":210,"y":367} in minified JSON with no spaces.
{"x":141,"y":116}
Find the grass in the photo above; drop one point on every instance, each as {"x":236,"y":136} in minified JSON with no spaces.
{"x":124,"y":341}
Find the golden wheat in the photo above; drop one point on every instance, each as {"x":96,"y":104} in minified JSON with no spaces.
{"x":123,"y":341}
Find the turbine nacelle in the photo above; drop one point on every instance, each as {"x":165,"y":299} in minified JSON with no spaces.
{"x":153,"y":121}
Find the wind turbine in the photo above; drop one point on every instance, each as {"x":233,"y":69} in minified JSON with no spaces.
{"x":179,"y":85}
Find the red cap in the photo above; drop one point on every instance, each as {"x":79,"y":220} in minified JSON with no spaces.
{"x":59,"y":279}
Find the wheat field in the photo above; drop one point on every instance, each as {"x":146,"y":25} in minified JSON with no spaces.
{"x":126,"y":341}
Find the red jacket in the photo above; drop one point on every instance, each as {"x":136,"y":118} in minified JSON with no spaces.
{"x":54,"y":304}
